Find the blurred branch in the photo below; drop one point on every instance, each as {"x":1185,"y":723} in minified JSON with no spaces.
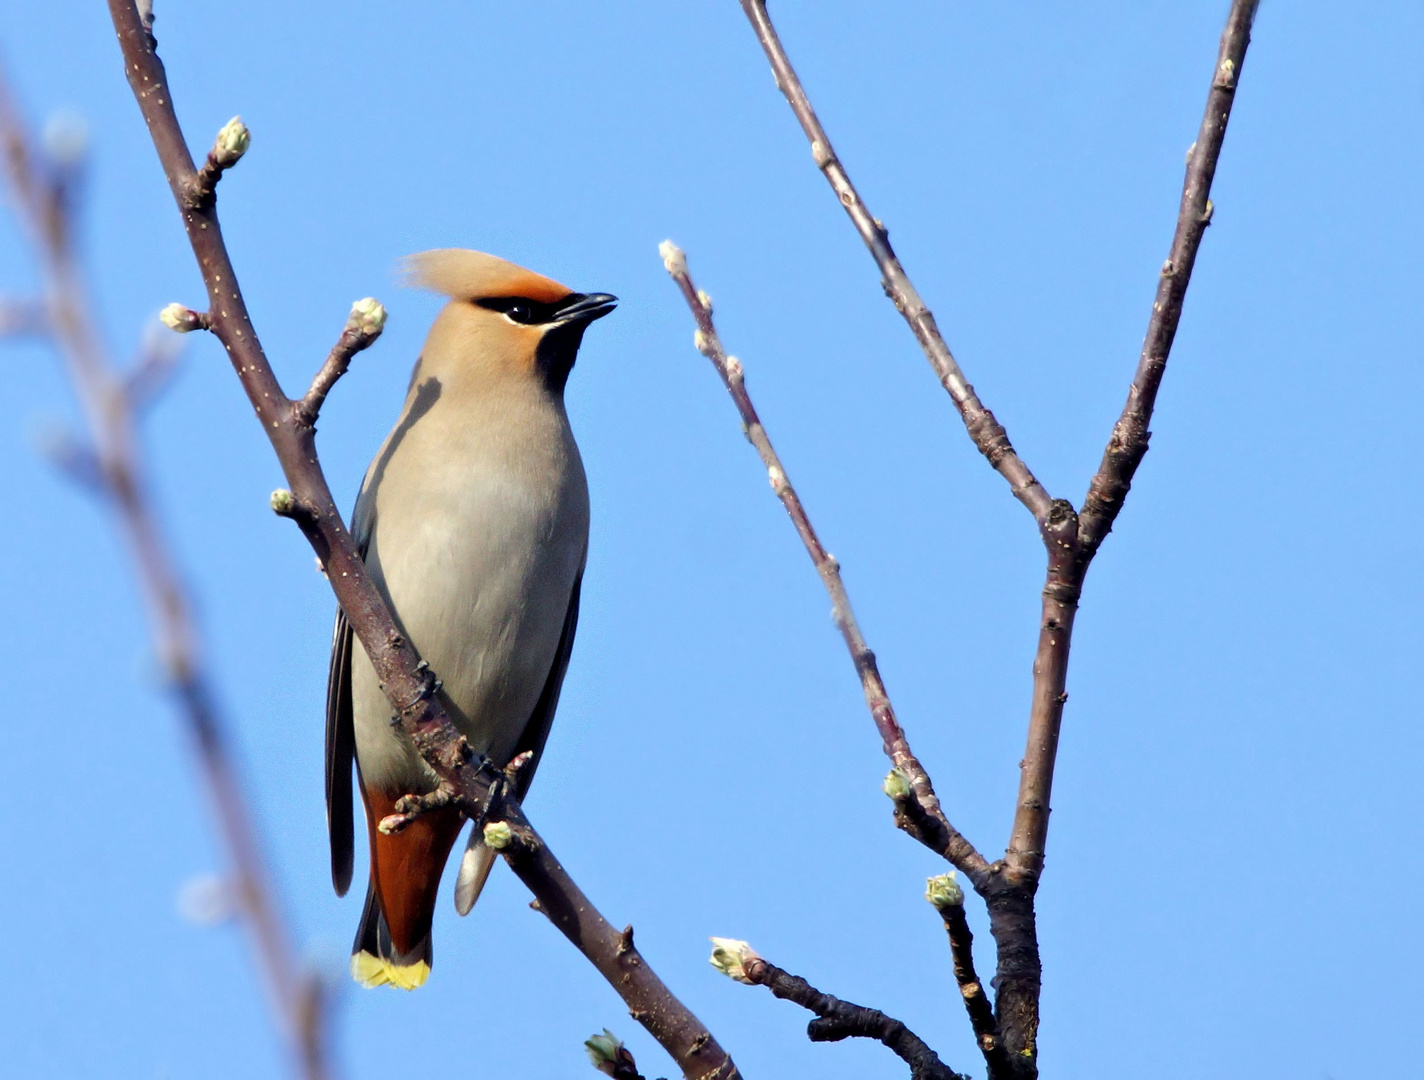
{"x":923,"y":816}
{"x":111,"y":465}
{"x":1070,"y":542}
{"x":466,"y":780}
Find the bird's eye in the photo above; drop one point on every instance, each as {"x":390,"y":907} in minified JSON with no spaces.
{"x":520,"y":313}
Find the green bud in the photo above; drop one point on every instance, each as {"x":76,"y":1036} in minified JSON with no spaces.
{"x":896,"y":785}
{"x":367,"y":316}
{"x":283,"y":501}
{"x":943,"y":891}
{"x":731,"y":957}
{"x":232,"y":142}
{"x":603,"y":1051}
{"x":498,"y":835}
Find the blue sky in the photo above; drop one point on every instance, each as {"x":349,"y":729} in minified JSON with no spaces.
{"x":1231,"y":884}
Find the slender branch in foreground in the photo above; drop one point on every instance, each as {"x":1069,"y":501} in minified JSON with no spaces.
{"x":944,"y":893}
{"x":409,"y":683}
{"x":111,"y":466}
{"x":1128,"y":443}
{"x":930,"y":825}
{"x":835,"y":1019}
{"x":988,"y":434}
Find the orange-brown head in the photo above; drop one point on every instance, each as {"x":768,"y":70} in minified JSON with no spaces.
{"x":503,"y":321}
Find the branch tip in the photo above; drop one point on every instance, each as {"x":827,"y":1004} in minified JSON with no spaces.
{"x":943,"y":891}
{"x":673,"y":258}
{"x":367,"y":318}
{"x":232,"y":142}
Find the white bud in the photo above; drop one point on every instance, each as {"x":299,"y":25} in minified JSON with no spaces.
{"x":367,"y":316}
{"x":943,"y":891}
{"x":777,"y":478}
{"x":232,"y":142}
{"x":179,"y":319}
{"x":1226,"y":74}
{"x":734,"y":369}
{"x":282,"y":501}
{"x":705,"y":300}
{"x":699,"y":342}
{"x":673,"y":258}
{"x":731,"y":957}
{"x":820,"y":153}
{"x":498,"y":835}
{"x":896,"y":784}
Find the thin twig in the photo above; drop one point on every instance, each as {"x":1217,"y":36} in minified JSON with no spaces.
{"x":948,"y":899}
{"x":112,"y":466}
{"x":837,"y":1020}
{"x":988,"y":434}
{"x":1128,"y":442}
{"x":929,"y":825}
{"x":407,"y":680}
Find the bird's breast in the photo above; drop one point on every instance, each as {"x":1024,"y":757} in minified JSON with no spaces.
{"x":477,"y":535}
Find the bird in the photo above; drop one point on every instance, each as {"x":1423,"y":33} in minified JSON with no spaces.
{"x":473,"y":522}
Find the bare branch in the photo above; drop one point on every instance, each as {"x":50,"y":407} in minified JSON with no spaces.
{"x":112,"y":467}
{"x":835,"y":1019}
{"x":988,"y":434}
{"x":405,"y":677}
{"x":1128,"y":442}
{"x":923,"y":817}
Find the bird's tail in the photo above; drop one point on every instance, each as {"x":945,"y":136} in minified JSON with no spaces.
{"x":392,"y":946}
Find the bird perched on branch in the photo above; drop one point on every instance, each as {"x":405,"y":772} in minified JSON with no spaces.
{"x":473,"y":520}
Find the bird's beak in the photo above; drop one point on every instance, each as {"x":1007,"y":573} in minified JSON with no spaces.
{"x":584,"y":309}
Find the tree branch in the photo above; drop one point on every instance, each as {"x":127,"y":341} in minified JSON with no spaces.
{"x":111,"y":466}
{"x":988,"y":434}
{"x":918,"y":810}
{"x":289,"y":426}
{"x":1128,"y":443}
{"x":835,"y":1019}
{"x":944,"y":893}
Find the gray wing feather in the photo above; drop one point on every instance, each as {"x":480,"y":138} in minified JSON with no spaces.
{"x":478,"y":860}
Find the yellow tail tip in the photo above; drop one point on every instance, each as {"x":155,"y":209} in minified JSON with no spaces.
{"x":371,"y":971}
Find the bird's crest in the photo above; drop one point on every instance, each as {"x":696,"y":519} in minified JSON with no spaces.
{"x":472,"y":275}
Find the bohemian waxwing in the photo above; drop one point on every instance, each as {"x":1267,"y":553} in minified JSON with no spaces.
{"x":473,"y":520}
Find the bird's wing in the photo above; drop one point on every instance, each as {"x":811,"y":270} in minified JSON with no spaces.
{"x":341,"y":735}
{"x":478,"y":859}
{"x":340,"y":753}
{"x":536,"y":731}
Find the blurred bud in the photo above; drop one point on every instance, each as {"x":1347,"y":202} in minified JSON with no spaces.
{"x":705,"y":300}
{"x":206,"y":900}
{"x":232,"y":142}
{"x":731,"y":957}
{"x":65,"y":139}
{"x":367,"y":316}
{"x":673,"y":258}
{"x":283,"y":501}
{"x":605,"y":1052}
{"x":498,"y":835}
{"x":180,"y":319}
{"x":896,"y":785}
{"x":943,"y":891}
